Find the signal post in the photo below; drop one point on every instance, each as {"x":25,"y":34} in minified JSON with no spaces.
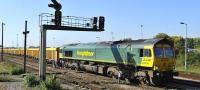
{"x":67,"y":23}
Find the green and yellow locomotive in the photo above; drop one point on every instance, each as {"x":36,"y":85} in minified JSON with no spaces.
{"x":150,"y":60}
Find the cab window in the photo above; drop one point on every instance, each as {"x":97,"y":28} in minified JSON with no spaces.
{"x":68,"y":53}
{"x":145,"y":53}
{"x":169,"y":52}
{"x":164,"y":52}
{"x":159,"y":52}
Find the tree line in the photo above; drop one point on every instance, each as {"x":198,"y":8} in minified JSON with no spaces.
{"x":193,"y":47}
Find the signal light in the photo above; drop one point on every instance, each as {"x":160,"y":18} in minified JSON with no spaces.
{"x":58,"y":18}
{"x":101,"y":22}
{"x":58,"y":14}
{"x":57,"y":6}
{"x":94,"y":24}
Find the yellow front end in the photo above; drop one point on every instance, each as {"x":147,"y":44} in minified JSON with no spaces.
{"x":164,"y":58}
{"x":164,"y":64}
{"x":159,"y":58}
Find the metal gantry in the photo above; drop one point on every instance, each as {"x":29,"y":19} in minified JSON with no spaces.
{"x":68,"y":23}
{"x":72,"y":23}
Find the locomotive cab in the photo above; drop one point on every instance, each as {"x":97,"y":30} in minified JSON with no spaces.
{"x":164,"y":61}
{"x":156,"y":59}
{"x":163,"y":58}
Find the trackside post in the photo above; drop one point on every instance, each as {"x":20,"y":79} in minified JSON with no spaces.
{"x":25,"y":38}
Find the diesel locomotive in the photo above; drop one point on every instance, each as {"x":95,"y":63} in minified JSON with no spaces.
{"x":151,"y":60}
{"x":148,"y":60}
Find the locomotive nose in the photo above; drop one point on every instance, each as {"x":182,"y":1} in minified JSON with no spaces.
{"x":161,"y":64}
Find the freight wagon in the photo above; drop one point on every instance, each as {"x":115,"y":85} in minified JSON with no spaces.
{"x":52,"y":54}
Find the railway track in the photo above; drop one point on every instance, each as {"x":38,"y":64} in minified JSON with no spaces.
{"x":184,"y":84}
{"x":33,"y":65}
{"x":101,"y":82}
{"x":67,"y":76}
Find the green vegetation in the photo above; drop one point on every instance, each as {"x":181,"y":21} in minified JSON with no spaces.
{"x":161,"y":35}
{"x":5,"y":78}
{"x":30,"y":81}
{"x":193,"y":57}
{"x":193,"y":62}
{"x":50,"y":84}
{"x":198,"y":49}
{"x":7,"y":69}
{"x":16,"y":71}
{"x":10,"y":68}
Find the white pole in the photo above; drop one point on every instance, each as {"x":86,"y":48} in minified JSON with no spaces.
{"x":185,"y":45}
{"x":17,"y":41}
{"x":186,"y":48}
{"x":141,"y":32}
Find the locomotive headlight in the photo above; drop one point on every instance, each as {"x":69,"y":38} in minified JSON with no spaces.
{"x":172,"y":67}
{"x":157,"y":68}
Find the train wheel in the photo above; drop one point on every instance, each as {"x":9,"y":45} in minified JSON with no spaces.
{"x":129,"y":80}
{"x":54,"y":64}
{"x":109,"y":74}
{"x":167,"y":78}
{"x":143,"y":80}
{"x":77,"y":68}
{"x":170,"y":77}
{"x":156,"y":81}
{"x":73,"y":67}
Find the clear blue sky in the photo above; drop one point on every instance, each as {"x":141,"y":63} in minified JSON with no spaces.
{"x":123,"y":18}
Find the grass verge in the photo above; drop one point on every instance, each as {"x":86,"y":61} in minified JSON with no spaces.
{"x":192,"y":66}
{"x":50,"y":84}
{"x":10,"y":68}
{"x":30,"y":81}
{"x":6,"y":78}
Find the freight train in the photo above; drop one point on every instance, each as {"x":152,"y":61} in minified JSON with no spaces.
{"x":149,"y":60}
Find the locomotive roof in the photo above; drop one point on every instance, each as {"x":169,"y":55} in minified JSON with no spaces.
{"x":135,"y":43}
